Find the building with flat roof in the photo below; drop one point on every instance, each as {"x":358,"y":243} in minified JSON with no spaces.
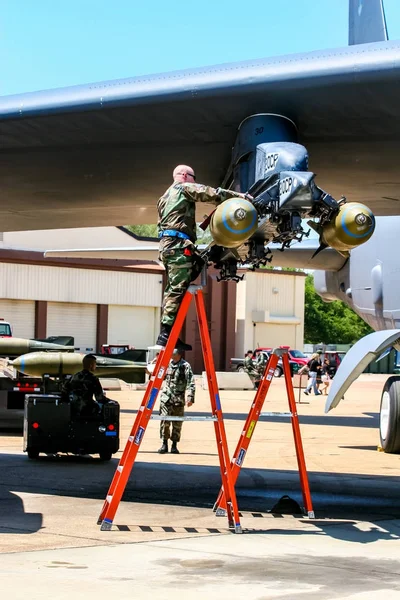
{"x":99,"y":301}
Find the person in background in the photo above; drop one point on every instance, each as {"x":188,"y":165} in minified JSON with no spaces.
{"x":325,"y":378}
{"x":178,"y":380}
{"x":314,"y":366}
{"x":249,"y":366}
{"x":84,"y":390}
{"x":260,"y":364}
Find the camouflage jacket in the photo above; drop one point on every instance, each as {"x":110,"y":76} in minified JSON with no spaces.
{"x":177,"y":208}
{"x":178,"y":380}
{"x":249,"y":365}
{"x":81,"y":388}
{"x":261,"y":362}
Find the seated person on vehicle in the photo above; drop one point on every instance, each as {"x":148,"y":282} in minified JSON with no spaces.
{"x":84,"y":390}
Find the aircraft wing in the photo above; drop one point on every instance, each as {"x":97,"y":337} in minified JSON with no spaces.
{"x":367,"y":349}
{"x":103,"y":153}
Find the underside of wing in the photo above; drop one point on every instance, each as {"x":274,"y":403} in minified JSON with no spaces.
{"x":103,"y":153}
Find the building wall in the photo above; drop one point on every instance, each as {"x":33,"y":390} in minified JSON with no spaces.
{"x":21,"y":315}
{"x":93,"y":305}
{"x":93,"y":286}
{"x":270,"y":310}
{"x":106,"y":301}
{"x":127,"y":323}
{"x":74,"y":319}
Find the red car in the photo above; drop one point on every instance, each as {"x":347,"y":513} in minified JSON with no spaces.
{"x":294,"y":355}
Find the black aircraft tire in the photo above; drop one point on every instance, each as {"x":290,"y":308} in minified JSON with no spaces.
{"x":105,"y":455}
{"x":33,"y":454}
{"x":389,"y":424}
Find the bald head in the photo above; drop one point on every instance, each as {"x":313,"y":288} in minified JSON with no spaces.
{"x":184,"y":174}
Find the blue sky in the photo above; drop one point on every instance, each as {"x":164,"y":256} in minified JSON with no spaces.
{"x":55,"y":43}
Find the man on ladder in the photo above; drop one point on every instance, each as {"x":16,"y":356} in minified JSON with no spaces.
{"x":178,"y":379}
{"x":177,"y":233}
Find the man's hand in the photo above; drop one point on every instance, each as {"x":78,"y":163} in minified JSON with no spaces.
{"x":261,"y":204}
{"x":189,"y":402}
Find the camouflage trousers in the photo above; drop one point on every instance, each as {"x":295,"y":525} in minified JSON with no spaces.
{"x":171,"y":410}
{"x":179,"y":271}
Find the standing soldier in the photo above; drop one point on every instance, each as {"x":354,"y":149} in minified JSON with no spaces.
{"x":178,"y":379}
{"x":249,"y":366}
{"x":177,"y":233}
{"x":261,"y":362}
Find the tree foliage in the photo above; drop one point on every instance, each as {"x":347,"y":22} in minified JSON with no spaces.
{"x":143,"y":230}
{"x":203,"y":237}
{"x":330,"y":322}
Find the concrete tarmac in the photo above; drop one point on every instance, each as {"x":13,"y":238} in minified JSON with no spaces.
{"x":167,"y":542}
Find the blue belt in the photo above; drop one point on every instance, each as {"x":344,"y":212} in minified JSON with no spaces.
{"x":173,"y":233}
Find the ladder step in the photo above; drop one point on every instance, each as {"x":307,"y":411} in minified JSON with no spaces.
{"x":168,"y":418}
{"x":276,"y":414}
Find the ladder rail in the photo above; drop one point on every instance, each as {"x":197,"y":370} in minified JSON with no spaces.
{"x":220,"y":434}
{"x":250,"y":425}
{"x":247,"y":432}
{"x":145,"y":411}
{"x":127,"y":460}
{"x":301,"y":461}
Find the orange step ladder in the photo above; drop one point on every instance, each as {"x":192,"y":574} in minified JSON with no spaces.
{"x":144,"y":414}
{"x":250,"y":425}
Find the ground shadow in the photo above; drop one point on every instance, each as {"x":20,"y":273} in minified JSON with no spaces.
{"x":13,"y":518}
{"x":334,"y":495}
{"x":369,"y":420}
{"x":359,"y":447}
{"x":345,"y":531}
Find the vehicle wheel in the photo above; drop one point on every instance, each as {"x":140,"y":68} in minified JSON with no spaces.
{"x":389,"y":425}
{"x":240,"y":369}
{"x":105,"y":455}
{"x":33,"y":454}
{"x":278,"y":372}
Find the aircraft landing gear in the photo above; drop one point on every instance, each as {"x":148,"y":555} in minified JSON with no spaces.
{"x":389,"y":426}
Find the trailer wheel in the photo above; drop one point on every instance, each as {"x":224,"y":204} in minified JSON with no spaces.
{"x":389,"y":425}
{"x":105,"y":455}
{"x":33,"y":454}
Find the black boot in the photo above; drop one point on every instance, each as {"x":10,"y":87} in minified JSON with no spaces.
{"x":163,"y":339}
{"x":164,"y":335}
{"x":164,"y":447}
{"x":174,"y":449}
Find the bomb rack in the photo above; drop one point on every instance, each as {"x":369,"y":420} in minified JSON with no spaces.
{"x":144,"y":414}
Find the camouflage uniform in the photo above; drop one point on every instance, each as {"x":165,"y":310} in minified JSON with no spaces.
{"x":177,"y":212}
{"x":260,"y":364}
{"x":80,"y":389}
{"x":178,"y":379}
{"x":250,"y":367}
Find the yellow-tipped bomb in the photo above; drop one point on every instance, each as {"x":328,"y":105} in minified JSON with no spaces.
{"x":233,"y":222}
{"x":352,"y":226}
